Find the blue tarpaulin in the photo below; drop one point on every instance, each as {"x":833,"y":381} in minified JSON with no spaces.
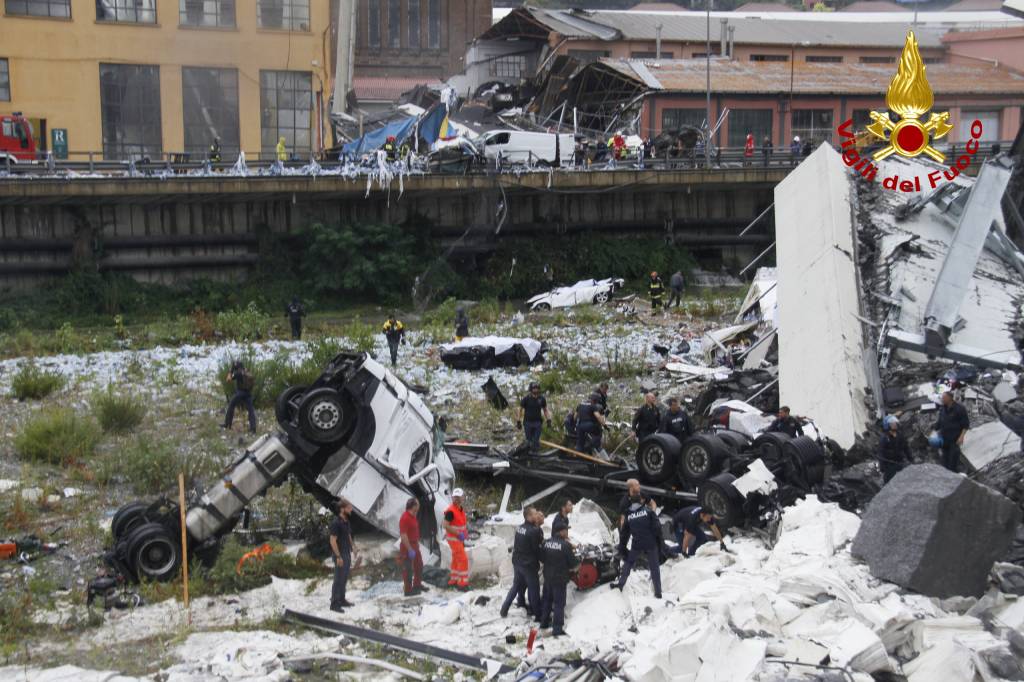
{"x":432,"y":123}
{"x":371,"y":141}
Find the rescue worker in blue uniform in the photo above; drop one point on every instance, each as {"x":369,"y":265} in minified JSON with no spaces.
{"x":893,"y":451}
{"x":589,"y":423}
{"x":642,"y":526}
{"x":526,"y":564}
{"x":675,"y":421}
{"x":690,"y":524}
{"x":559,"y":561}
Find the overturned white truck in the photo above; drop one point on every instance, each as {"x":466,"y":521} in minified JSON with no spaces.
{"x":357,"y":432}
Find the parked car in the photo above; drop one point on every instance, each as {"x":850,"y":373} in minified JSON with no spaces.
{"x":517,"y":146}
{"x":585,"y":291}
{"x":458,"y":156}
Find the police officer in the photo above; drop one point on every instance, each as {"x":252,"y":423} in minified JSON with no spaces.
{"x":642,"y":526}
{"x":394,"y":332}
{"x":215,"y":150}
{"x":675,"y":421}
{"x":559,"y":561}
{"x":656,"y":289}
{"x":295,"y":312}
{"x":632,"y":490}
{"x":589,"y":422}
{"x":690,"y":524}
{"x":786,"y":423}
{"x":893,"y":450}
{"x":342,"y":549}
{"x":533,"y":410}
{"x":526,"y":564}
{"x":390,"y":149}
{"x":647,"y":418}
{"x":952,"y":423}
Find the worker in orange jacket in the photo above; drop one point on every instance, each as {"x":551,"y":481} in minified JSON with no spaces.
{"x":456,"y":530}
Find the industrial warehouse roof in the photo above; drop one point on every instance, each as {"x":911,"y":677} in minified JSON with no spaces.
{"x":529,"y":22}
{"x":729,"y":76}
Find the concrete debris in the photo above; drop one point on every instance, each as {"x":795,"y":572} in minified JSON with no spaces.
{"x":988,"y":443}
{"x":935,"y":532}
{"x":757,"y":479}
{"x":1009,"y":578}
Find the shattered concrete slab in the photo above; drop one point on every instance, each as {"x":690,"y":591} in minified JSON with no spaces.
{"x":989,"y":442}
{"x":821,"y":350}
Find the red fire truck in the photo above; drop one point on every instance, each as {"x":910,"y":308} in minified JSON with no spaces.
{"x":16,"y":140}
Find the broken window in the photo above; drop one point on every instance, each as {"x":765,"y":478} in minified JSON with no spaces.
{"x":291,"y":15}
{"x":587,"y":56}
{"x":394,"y":23}
{"x":39,"y":8}
{"x":674,"y":119}
{"x":812,"y":125}
{"x":130,"y":108}
{"x":5,"y":81}
{"x":434,"y":24}
{"x":769,"y":57}
{"x":207,"y":13}
{"x":286,"y":104}
{"x":373,"y":14}
{"x":414,"y":23}
{"x":757,"y":122}
{"x":210,"y":109}
{"x":126,"y":11}
{"x":510,"y":66}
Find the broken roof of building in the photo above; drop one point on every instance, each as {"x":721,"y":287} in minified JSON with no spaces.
{"x":386,"y":89}
{"x":731,"y":76}
{"x":538,"y":24}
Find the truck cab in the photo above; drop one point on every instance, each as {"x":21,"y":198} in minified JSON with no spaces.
{"x":16,"y":140}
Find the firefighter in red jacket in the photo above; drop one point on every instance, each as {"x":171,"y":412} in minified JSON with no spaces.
{"x":456,"y":530}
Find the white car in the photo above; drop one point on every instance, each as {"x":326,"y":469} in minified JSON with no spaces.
{"x":584,"y":291}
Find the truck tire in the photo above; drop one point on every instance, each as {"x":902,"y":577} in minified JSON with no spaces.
{"x":720,"y":496}
{"x":154,"y":553}
{"x":283,"y":408}
{"x":702,"y":456}
{"x":127,"y":518}
{"x":657,"y":457}
{"x":325,"y":416}
{"x":734,"y":440}
{"x":803,"y":462}
{"x":768,"y":446}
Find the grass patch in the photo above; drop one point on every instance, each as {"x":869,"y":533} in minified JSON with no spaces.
{"x":242,"y":324}
{"x":271,"y":376}
{"x":362,"y":337}
{"x":19,"y":600}
{"x":58,"y":436}
{"x":116,"y":412}
{"x":32,"y":383}
{"x":151,"y":466}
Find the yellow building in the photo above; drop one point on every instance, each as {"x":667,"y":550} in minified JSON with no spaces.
{"x":133,"y":78}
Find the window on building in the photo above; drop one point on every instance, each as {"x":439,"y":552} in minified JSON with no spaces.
{"x":932,"y":60}
{"x":206,"y":13}
{"x":373,"y":17}
{"x":877,"y":59}
{"x":814,"y":125}
{"x":286,"y":104}
{"x":210,"y":109}
{"x":824,"y":59}
{"x":395,"y":23}
{"x":715,"y":50}
{"x":130,"y":110}
{"x":5,"y":81}
{"x":769,"y":57}
{"x":587,"y":56}
{"x":291,"y":15}
{"x":757,"y":122}
{"x":434,"y":24}
{"x":989,"y":124}
{"x":510,"y":66}
{"x":861,"y":119}
{"x":414,"y":23}
{"x":39,"y":8}
{"x":674,"y":119}
{"x":126,"y":11}
{"x":650,"y":55}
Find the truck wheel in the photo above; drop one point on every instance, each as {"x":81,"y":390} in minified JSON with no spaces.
{"x":720,"y":496}
{"x":153,"y":553}
{"x":601,"y":297}
{"x":657,"y":457}
{"x":734,"y":440}
{"x":284,"y":410}
{"x":768,"y":446}
{"x":702,"y":456}
{"x":127,"y":518}
{"x":803,"y":462}
{"x":324,"y":416}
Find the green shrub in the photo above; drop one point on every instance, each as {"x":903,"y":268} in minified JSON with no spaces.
{"x":243,"y":324}
{"x":171,"y":331}
{"x":149,"y":466}
{"x":32,"y":383}
{"x":362,"y":337}
{"x":224,"y":578}
{"x":271,"y":376}
{"x":323,"y":350}
{"x":117,"y":412}
{"x":58,"y":436}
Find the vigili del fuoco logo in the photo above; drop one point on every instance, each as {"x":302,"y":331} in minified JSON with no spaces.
{"x":904,"y":130}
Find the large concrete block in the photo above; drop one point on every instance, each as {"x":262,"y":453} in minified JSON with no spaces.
{"x":935,"y":532}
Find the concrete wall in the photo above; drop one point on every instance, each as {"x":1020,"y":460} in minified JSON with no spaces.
{"x":1003,"y":46}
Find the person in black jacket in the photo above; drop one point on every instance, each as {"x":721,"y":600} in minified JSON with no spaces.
{"x":602,"y":397}
{"x":533,"y":410}
{"x":641,"y":525}
{"x":559,"y":561}
{"x":893,"y":451}
{"x":461,"y":324}
{"x":589,"y":424}
{"x":295,"y":312}
{"x":786,"y":423}
{"x":952,"y":423}
{"x":647,"y":418}
{"x":656,"y":290}
{"x":394,"y":332}
{"x":244,"y":384}
{"x":675,"y":421}
{"x":690,"y":524}
{"x":526,"y":564}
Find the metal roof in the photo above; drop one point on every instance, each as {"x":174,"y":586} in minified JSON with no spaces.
{"x":386,"y":88}
{"x":729,"y":76}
